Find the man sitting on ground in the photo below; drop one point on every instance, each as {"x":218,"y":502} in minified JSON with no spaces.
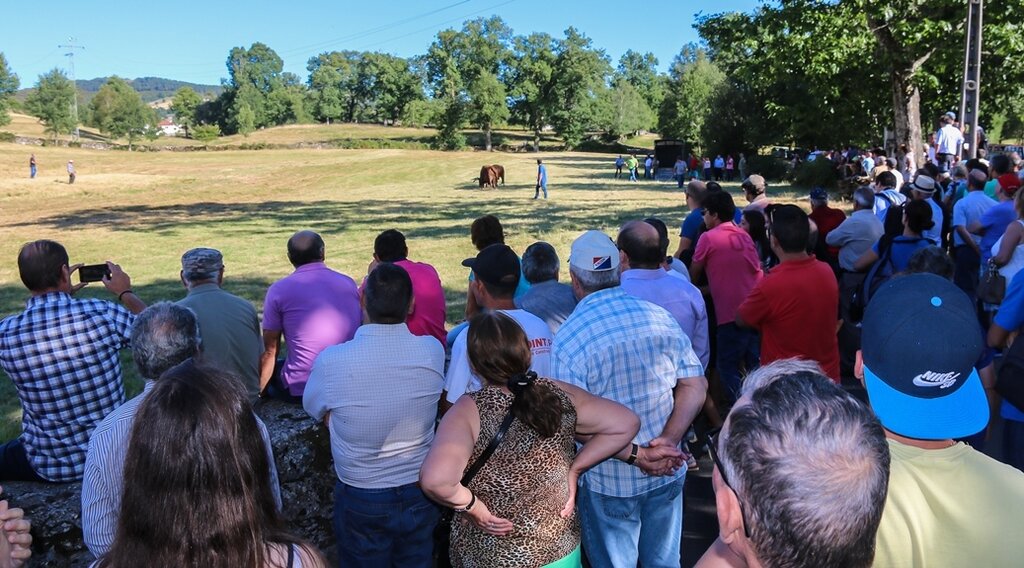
{"x":775,"y":505}
{"x":62,"y":356}
{"x":313,"y":308}
{"x":547,"y":298}
{"x":426,"y":316}
{"x":163,"y":336}
{"x":378,"y":394}
{"x":948,"y":504}
{"x":229,"y":325}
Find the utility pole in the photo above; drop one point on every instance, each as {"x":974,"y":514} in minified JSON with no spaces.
{"x":71,"y":47}
{"x":972,"y":76}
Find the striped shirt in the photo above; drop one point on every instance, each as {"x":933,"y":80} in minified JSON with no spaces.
{"x":62,"y":356}
{"x":103,"y":481}
{"x":633,"y":352}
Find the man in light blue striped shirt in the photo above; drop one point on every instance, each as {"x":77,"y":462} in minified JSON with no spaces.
{"x":633,"y":352}
{"x":163,"y":336}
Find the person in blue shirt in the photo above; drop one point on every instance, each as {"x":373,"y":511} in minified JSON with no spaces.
{"x":1009,"y":319}
{"x":542,"y":179}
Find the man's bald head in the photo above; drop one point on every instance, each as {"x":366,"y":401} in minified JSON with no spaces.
{"x":305,"y":247}
{"x":641,"y":244}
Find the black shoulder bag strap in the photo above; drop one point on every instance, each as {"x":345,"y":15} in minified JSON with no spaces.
{"x":484,"y":455}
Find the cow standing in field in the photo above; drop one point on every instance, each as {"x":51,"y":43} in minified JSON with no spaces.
{"x":489,"y":176}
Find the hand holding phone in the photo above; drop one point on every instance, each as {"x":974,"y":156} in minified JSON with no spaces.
{"x":93,"y":273}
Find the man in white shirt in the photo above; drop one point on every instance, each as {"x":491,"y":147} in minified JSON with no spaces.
{"x":496,"y":274}
{"x":922,"y":189}
{"x":948,"y":143}
{"x":378,"y":393}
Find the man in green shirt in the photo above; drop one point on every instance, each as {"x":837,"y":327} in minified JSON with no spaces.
{"x":228,"y":325}
{"x":632,"y":164}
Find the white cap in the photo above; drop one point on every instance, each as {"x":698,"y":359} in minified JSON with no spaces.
{"x":594,"y":251}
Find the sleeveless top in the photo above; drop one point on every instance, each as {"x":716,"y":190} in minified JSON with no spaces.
{"x":524,"y":481}
{"x":1016,"y":262}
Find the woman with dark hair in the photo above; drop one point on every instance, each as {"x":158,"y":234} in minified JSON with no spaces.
{"x":197,"y":490}
{"x":916,"y":218}
{"x":753,"y":222}
{"x":518,"y":510}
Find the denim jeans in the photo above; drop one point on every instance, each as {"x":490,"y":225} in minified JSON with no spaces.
{"x":14,"y":464}
{"x":619,"y":531}
{"x":378,"y":528}
{"x":736,"y":346}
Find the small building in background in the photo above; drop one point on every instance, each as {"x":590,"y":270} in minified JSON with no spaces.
{"x":168,"y":128}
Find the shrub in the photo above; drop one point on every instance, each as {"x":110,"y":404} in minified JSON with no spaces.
{"x":770,"y":168}
{"x":817,"y":173}
{"x":6,"y":137}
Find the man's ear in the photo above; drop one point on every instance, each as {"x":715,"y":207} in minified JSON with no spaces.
{"x":730,"y":519}
{"x":181,"y":276}
{"x":858,"y":367}
{"x":623,"y":260}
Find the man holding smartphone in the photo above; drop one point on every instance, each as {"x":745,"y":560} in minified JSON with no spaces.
{"x":62,"y":355}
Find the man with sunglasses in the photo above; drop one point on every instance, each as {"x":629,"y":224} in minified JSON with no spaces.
{"x":792,"y":491}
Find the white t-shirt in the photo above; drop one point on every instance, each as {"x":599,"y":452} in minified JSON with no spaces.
{"x":460,"y":379}
{"x":948,"y":140}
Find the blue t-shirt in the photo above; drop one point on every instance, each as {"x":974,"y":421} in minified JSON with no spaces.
{"x":542,"y":170}
{"x":1011,"y":317}
{"x":995,"y":221}
{"x":902,"y":249}
{"x":692,"y":222}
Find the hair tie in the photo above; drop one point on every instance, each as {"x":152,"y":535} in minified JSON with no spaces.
{"x":521,"y":381}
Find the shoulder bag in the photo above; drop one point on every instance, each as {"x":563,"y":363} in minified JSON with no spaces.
{"x":443,"y":530}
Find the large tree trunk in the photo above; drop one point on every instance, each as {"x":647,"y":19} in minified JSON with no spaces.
{"x":487,"y":138}
{"x":536,"y":140}
{"x":906,"y":105}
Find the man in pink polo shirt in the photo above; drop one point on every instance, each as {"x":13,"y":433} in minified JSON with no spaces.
{"x":312,"y":308}
{"x":426,"y":317}
{"x":728,"y":254}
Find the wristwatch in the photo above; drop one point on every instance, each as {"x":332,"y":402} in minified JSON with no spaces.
{"x":633,"y":451}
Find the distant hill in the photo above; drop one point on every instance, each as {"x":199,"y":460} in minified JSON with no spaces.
{"x":150,"y":88}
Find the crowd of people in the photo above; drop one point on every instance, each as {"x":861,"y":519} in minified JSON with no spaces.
{"x":704,"y":168}
{"x":559,"y":420}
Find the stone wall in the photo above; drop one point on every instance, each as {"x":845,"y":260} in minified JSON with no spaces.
{"x":303,"y":454}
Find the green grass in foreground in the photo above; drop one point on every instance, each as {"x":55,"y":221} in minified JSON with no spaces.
{"x":142,"y":210}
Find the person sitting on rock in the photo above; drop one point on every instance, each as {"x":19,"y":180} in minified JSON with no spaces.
{"x":164,"y":336}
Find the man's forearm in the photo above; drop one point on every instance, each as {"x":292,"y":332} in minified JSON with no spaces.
{"x":688,"y":398}
{"x":267,"y":361}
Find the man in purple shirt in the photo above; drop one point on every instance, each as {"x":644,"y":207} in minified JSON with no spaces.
{"x":313,"y":308}
{"x":640,"y":256}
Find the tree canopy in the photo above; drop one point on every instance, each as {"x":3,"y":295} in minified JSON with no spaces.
{"x":8,"y":86}
{"x":118,"y":110}
{"x":52,"y":101}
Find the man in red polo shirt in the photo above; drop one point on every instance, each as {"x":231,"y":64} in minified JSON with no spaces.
{"x":795,"y":306}
{"x":826,"y":218}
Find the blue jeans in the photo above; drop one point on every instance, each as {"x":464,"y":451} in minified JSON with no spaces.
{"x":32,"y":171}
{"x":541,"y":186}
{"x":619,"y":531}
{"x":1013,"y":443}
{"x":736,"y":346}
{"x":632,"y":174}
{"x":378,"y":528}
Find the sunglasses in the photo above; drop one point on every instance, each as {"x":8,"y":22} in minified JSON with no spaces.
{"x":711,"y":439}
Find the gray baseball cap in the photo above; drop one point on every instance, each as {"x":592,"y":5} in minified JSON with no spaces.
{"x":202,"y":260}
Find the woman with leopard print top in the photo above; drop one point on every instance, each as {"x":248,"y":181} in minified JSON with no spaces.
{"x":519,"y":510}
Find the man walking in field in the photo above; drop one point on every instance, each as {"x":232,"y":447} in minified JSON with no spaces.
{"x":542,"y":180}
{"x":71,"y":171}
{"x":32,"y":166}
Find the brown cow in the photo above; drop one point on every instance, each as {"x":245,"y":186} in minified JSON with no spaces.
{"x":489,"y":176}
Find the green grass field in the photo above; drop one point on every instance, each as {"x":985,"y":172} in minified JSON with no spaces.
{"x":143,"y":210}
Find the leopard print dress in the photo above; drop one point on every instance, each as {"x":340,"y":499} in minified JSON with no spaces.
{"x":524,"y":481}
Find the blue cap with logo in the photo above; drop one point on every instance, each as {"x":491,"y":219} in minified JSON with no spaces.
{"x":920,"y":342}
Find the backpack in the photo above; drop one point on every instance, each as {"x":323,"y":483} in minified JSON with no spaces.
{"x":1010,"y":380}
{"x":879,"y":273}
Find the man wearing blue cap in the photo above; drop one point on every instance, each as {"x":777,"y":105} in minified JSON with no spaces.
{"x":948,"y":504}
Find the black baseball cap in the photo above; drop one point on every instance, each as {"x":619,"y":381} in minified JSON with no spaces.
{"x":497,"y":265}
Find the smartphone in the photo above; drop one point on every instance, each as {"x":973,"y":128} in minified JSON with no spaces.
{"x":93,"y":273}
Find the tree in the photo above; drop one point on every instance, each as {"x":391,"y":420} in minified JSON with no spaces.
{"x":530,"y":82}
{"x":118,"y":110}
{"x":184,"y":105}
{"x":325,"y":92}
{"x":693,"y":83}
{"x":641,"y":71}
{"x":485,"y":45}
{"x":579,"y":72}
{"x":205,"y":133}
{"x":52,"y":103}
{"x":622,"y":110}
{"x":446,"y":80}
{"x":246,"y":120}
{"x":8,"y":86}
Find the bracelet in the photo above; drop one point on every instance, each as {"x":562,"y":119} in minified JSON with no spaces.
{"x":472,"y":501}
{"x":633,"y":451}
{"x":121,"y":295}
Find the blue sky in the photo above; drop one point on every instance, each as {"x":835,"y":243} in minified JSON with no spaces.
{"x":190,"y":40}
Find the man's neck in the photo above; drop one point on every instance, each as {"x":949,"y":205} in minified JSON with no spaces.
{"x":501,"y":304}
{"x":791,"y":256}
{"x":922,"y":444}
{"x":192,"y":285}
{"x":37,"y":293}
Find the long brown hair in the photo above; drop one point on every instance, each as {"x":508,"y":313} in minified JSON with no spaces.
{"x":500,"y":353}
{"x":197,"y":478}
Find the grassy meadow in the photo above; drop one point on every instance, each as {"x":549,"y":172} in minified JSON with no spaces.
{"x":142,"y":210}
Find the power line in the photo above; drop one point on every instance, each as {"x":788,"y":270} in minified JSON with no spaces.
{"x":71,"y":47}
{"x":460,"y":18}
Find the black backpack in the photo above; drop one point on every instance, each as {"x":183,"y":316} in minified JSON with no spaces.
{"x":879,"y":273}
{"x":1010,"y":381}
